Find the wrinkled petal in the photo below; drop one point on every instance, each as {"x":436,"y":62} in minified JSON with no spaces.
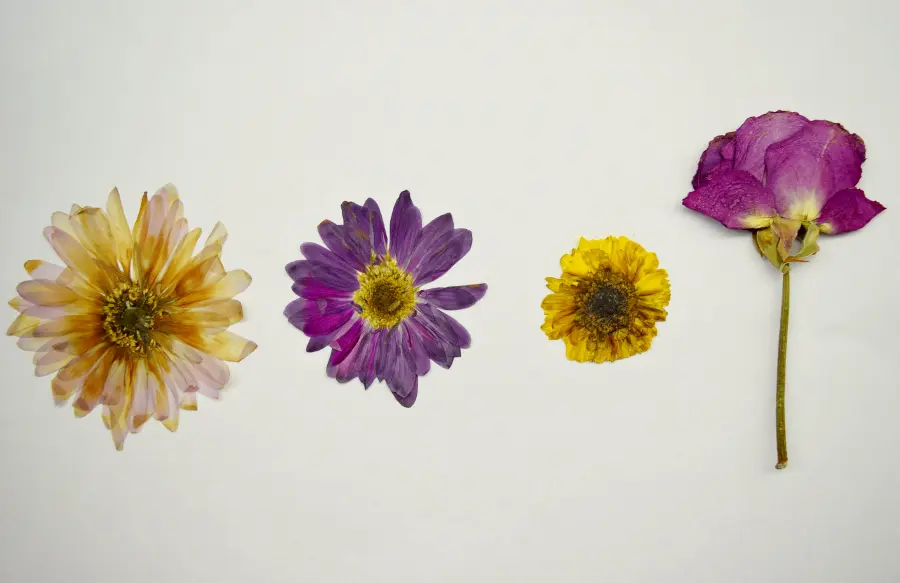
{"x":379,"y":235}
{"x":734,"y":198}
{"x":805,"y":170}
{"x":431,"y":238}
{"x":848,"y":210}
{"x":755,"y":136}
{"x":712,"y":159}
{"x":304,"y":272}
{"x":323,"y":325}
{"x":335,"y":238}
{"x":454,"y":298}
{"x":406,"y":224}
{"x":445,"y":257}
{"x":364,"y":229}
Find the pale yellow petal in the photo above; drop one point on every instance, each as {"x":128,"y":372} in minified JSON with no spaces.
{"x":93,"y":231}
{"x":229,"y":346}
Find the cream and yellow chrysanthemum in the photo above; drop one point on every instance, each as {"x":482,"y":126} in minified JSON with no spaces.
{"x":608,"y":300}
{"x":135,"y":321}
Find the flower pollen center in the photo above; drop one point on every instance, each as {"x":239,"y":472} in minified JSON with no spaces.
{"x":129,"y":318}
{"x":386,"y":294}
{"x":606,"y":304}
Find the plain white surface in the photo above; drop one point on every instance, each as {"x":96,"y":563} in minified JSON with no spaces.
{"x":534,"y":123}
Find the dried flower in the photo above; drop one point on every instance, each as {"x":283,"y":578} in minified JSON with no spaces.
{"x":362,"y":295}
{"x":606,"y":304}
{"x":134,"y":322}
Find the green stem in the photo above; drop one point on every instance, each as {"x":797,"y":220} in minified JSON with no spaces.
{"x":782,"y":365}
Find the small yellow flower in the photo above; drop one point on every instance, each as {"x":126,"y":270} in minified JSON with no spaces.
{"x":608,"y":300}
{"x":135,"y":321}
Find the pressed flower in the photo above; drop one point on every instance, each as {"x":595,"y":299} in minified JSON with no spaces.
{"x":607,"y":302}
{"x":362,"y":295}
{"x":784,"y":178}
{"x":134,"y":321}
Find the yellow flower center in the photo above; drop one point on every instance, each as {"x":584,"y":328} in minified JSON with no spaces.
{"x":606,"y":304}
{"x":386,"y":294}
{"x":129,"y":318}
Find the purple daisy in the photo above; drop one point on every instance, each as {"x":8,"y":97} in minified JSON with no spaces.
{"x":362,"y":295}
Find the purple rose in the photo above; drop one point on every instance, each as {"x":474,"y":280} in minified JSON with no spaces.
{"x":782,"y":173}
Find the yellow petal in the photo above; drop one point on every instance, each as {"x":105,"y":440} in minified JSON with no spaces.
{"x":67,"y":325}
{"x":229,"y":346}
{"x":93,"y":231}
{"x":217,"y":236}
{"x":23,"y":324}
{"x":77,"y":258}
{"x":93,"y":385}
{"x":120,"y":230}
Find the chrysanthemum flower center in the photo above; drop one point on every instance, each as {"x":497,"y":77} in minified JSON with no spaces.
{"x":129,"y":318}
{"x":605,"y":305}
{"x":386,"y":294}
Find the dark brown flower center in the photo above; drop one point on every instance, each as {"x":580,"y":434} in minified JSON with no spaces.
{"x":606,"y":303}
{"x":129,"y":318}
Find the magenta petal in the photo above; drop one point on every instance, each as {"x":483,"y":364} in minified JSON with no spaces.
{"x":756,"y":134}
{"x":312,"y":289}
{"x":454,"y":298}
{"x":734,"y":198}
{"x":445,"y":257}
{"x":325,"y":324}
{"x":406,"y":223}
{"x":345,"y":344}
{"x":713,"y":158}
{"x":805,"y":170}
{"x":848,"y":210}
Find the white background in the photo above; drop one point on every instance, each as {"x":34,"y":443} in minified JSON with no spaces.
{"x":534,"y":123}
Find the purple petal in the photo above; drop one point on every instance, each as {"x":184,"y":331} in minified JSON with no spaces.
{"x":301,"y":309}
{"x":347,"y":341}
{"x":437,"y":349}
{"x":347,"y":366}
{"x":420,"y":360}
{"x":454,"y":298}
{"x":385,"y":352}
{"x":379,"y":235}
{"x":734,"y":198}
{"x":335,"y":238}
{"x":321,"y":325}
{"x":442,"y":337}
{"x":848,"y":210}
{"x":363,"y":227}
{"x":713,"y":158}
{"x":410,"y":398}
{"x":313,"y":289}
{"x":400,"y":376}
{"x":445,"y":257}
{"x":755,"y":136}
{"x":432,"y":236}
{"x":303,"y":272}
{"x":804,"y":170}
{"x":367,"y":348}
{"x":406,"y":223}
{"x":320,"y":256}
